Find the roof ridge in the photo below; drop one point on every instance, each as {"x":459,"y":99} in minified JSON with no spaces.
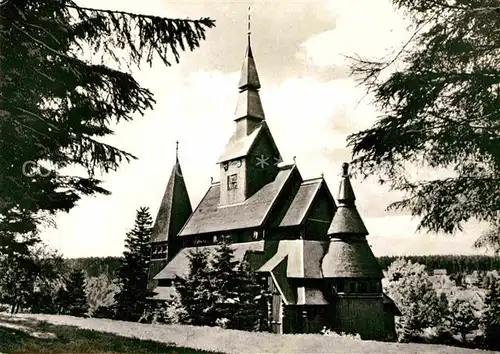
{"x":312,"y":180}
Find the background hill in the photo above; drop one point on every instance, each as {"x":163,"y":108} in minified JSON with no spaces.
{"x":454,"y":264}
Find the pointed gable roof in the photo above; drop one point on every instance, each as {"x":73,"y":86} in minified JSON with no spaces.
{"x":175,"y":207}
{"x":303,"y":200}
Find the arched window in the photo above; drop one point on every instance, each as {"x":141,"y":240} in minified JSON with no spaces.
{"x":256,"y":235}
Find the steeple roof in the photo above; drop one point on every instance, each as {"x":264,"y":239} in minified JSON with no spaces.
{"x":346,"y":220}
{"x":349,"y":255}
{"x":249,"y":104}
{"x":249,"y":78}
{"x":175,"y":206}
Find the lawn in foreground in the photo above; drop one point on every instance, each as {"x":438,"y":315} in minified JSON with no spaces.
{"x":73,"y":340}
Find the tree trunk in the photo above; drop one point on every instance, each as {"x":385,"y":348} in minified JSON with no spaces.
{"x":464,"y":337}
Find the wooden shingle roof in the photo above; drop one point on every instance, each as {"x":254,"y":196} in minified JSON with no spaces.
{"x":175,"y":207}
{"x":241,"y":145}
{"x":303,"y":258}
{"x":249,"y":105}
{"x":346,"y":220}
{"x":179,"y":265}
{"x":164,"y":293}
{"x":302,"y":202}
{"x":249,"y":77}
{"x":209,"y":217}
{"x":348,"y":258}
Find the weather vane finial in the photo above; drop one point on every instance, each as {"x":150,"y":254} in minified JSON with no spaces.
{"x":248,"y":21}
{"x":177,"y":149}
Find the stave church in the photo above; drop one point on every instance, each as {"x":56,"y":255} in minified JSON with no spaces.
{"x":309,"y":246}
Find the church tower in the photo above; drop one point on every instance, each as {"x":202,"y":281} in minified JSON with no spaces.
{"x":250,"y":158}
{"x":352,"y":271}
{"x":175,"y":209}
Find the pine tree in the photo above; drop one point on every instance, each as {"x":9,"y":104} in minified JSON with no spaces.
{"x":133,"y":271}
{"x":66,"y":82}
{"x":491,"y":317}
{"x":76,"y":300}
{"x":223,"y":273}
{"x":439,"y":110}
{"x":251,"y":310}
{"x":197,"y":291}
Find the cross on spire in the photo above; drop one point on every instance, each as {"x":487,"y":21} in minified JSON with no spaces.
{"x":177,"y":150}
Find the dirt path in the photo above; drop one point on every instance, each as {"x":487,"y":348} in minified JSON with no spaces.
{"x":231,"y":341}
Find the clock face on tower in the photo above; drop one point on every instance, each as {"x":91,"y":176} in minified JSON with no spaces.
{"x":236,"y":163}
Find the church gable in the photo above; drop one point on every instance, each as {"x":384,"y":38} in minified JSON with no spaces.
{"x":262,"y":161}
{"x":211,"y":217}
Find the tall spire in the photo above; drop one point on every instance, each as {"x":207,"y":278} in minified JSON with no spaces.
{"x":249,"y":77}
{"x":346,"y":220}
{"x":249,"y":104}
{"x":175,"y":207}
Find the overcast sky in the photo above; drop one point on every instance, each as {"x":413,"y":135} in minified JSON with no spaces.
{"x":311,"y":105}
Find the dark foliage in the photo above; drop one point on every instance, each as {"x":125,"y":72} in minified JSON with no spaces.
{"x":491,"y":319}
{"x":55,"y":107}
{"x":454,"y":264}
{"x":440,"y":110}
{"x":223,"y":292}
{"x":197,"y":292}
{"x":133,"y":272}
{"x":72,"y":299}
{"x":29,"y":272}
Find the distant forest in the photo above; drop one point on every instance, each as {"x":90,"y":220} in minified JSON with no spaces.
{"x":452,"y":263}
{"x":95,"y":266}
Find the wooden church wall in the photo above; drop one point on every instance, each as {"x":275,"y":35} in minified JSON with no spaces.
{"x":361,"y":314}
{"x":276,"y":312}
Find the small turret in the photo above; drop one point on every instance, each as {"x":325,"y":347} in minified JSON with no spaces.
{"x":349,"y":255}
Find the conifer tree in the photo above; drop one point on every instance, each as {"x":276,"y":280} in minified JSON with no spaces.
{"x":491,"y":319}
{"x":251,"y":311}
{"x":76,"y":296}
{"x":223,"y":274}
{"x":133,"y":271}
{"x":197,"y":291}
{"x":440,"y":109}
{"x":66,"y":81}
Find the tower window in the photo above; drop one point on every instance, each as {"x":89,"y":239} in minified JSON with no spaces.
{"x":232,"y":182}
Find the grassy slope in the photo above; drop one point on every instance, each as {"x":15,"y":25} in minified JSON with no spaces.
{"x":73,"y":340}
{"x":230,"y":341}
